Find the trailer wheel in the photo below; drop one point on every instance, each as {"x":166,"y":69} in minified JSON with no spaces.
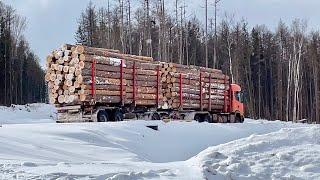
{"x":207,"y":118}
{"x":155,"y":116}
{"x":198,"y":118}
{"x":103,"y":116}
{"x":118,"y":116}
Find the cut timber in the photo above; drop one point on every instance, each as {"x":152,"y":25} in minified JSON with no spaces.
{"x":110,"y":53}
{"x":71,"y":70}
{"x":61,"y":99}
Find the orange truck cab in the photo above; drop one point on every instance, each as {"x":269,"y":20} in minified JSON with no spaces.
{"x":236,"y":104}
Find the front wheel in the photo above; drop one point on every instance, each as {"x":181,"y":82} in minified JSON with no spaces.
{"x":239,"y":118}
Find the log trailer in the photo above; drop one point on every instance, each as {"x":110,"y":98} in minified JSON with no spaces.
{"x":89,"y":84}
{"x":232,"y":110}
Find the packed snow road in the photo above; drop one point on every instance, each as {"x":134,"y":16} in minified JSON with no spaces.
{"x":34,"y":147}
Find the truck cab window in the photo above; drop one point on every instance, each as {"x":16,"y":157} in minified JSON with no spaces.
{"x":238,"y":96}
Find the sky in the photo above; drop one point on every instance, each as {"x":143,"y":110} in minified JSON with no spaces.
{"x":52,"y":23}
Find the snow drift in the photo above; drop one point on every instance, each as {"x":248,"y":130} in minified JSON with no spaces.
{"x":290,"y":153}
{"x":26,"y":114}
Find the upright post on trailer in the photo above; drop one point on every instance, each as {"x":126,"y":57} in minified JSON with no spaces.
{"x":180,"y":91}
{"x":158,"y":85}
{"x":134,"y":82}
{"x":210,"y":93}
{"x":225,"y":95}
{"x":93,"y":81}
{"x":121,"y":83}
{"x":189,"y":94}
{"x":201,"y":105}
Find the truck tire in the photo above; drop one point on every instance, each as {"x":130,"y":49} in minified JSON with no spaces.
{"x":102,"y":116}
{"x":242,"y":119}
{"x":118,"y":116}
{"x":155,"y":117}
{"x":207,"y":118}
{"x":238,"y":119}
{"x":198,"y":118}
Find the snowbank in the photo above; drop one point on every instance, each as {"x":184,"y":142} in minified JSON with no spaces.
{"x":26,"y":114}
{"x":291,"y":153}
{"x":130,"y":150}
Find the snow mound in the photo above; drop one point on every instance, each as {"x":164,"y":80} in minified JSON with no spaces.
{"x":32,"y":148}
{"x":27,"y":114}
{"x":290,"y":153}
{"x":130,"y":150}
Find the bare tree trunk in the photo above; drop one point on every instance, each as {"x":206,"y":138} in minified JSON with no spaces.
{"x":140,"y":43}
{"x":149,"y":40}
{"x":230,"y":60}
{"x":177,"y":30}
{"x":21,"y":80}
{"x":122,"y":26}
{"x":180,"y":38}
{"x":109,"y":27}
{"x":130,"y":28}
{"x":215,"y":35}
{"x":298,"y":40}
{"x":259,"y":91}
{"x":160,"y":34}
{"x":206,"y":32}
{"x":315,"y":81}
{"x":288,"y":88}
{"x":186,"y":38}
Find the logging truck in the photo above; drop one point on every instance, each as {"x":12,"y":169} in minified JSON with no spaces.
{"x":232,"y":112}
{"x":89,"y":84}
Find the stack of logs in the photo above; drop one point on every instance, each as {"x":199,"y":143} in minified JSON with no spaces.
{"x":72,"y":69}
{"x":197,"y":86}
{"x":80,"y":74}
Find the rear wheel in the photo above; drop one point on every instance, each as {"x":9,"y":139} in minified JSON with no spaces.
{"x":155,"y":117}
{"x":103,"y":116}
{"x":198,"y":118}
{"x":118,"y":116}
{"x":207,"y":118}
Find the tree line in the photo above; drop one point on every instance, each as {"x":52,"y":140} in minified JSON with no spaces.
{"x":21,"y":77}
{"x":277,"y":70}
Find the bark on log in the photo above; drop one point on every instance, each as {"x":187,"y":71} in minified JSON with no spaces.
{"x":108,"y":53}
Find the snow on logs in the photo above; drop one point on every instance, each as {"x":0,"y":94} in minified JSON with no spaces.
{"x":77,"y":74}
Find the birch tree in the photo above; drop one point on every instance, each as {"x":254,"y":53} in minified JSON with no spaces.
{"x":298,"y":30}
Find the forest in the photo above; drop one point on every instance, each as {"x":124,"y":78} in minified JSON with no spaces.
{"x":277,"y":69}
{"x":21,"y":77}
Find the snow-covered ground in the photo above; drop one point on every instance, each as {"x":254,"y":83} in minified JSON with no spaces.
{"x":32,"y":146}
{"x":27,"y":114}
